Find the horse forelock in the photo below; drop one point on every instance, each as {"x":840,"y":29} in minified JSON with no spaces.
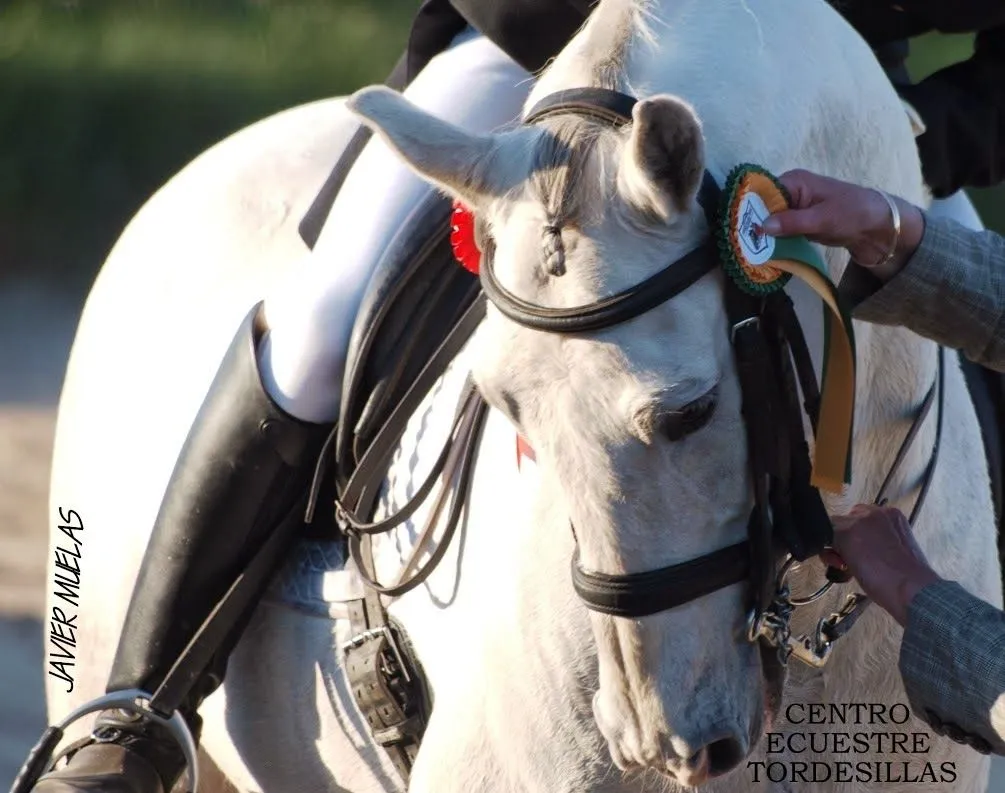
{"x":569,"y":175}
{"x":575,"y":164}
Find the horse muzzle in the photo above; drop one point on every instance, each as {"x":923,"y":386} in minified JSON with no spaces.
{"x":692,"y":757}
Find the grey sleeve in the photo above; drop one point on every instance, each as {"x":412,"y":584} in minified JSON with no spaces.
{"x":952,"y":291}
{"x":952,"y":660}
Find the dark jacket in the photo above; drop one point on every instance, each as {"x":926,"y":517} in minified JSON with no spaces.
{"x":963,"y":106}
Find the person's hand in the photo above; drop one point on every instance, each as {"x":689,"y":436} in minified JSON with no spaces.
{"x":877,"y":546}
{"x":845,"y":215}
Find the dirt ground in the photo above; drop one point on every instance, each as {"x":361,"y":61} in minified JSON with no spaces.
{"x":36,"y":330}
{"x":37,"y":325}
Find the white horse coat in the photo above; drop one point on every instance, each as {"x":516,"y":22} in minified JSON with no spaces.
{"x":507,"y":647}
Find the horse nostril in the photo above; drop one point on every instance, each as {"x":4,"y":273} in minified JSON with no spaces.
{"x":723,"y":756}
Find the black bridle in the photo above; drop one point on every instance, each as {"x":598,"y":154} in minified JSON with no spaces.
{"x":766,"y":336}
{"x":751,"y":320}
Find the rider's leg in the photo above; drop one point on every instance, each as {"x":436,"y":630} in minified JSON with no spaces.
{"x":243,"y":472}
{"x":311,"y":318}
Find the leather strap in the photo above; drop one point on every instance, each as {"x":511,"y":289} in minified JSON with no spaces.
{"x":937,"y":392}
{"x":385,"y":679}
{"x":601,"y":104}
{"x":370,"y":468}
{"x":808,"y":529}
{"x":803,"y":360}
{"x":642,"y":594}
{"x":753,"y":366}
{"x":626,"y":305}
{"x":464,"y":455}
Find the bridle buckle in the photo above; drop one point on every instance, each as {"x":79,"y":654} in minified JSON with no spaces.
{"x":754,"y":321}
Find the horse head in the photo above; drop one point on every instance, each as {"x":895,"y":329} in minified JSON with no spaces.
{"x":639,"y":422}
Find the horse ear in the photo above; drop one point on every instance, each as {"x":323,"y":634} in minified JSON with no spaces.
{"x":458,"y":162}
{"x":665,"y":156}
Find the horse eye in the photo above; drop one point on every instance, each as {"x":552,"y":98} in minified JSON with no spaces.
{"x":675,"y":425}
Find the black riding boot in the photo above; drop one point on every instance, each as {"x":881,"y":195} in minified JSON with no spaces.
{"x":243,"y":475}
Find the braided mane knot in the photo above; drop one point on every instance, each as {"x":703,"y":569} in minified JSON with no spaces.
{"x":553,"y":250}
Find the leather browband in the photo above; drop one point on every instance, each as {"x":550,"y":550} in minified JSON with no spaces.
{"x":611,"y":107}
{"x":613,"y":310}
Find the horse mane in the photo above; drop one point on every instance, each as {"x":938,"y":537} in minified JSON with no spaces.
{"x":607,"y":38}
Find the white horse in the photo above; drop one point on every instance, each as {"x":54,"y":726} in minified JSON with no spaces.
{"x":532,"y":692}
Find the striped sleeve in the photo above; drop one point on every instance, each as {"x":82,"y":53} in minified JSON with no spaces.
{"x":952,"y":291}
{"x":952,"y":660}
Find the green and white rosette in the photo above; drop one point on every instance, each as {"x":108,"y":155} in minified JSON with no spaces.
{"x":760,"y":264}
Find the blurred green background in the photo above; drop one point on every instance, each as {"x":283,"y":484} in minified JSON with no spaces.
{"x":101,"y":101}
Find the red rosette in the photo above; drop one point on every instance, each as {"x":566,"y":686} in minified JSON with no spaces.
{"x":462,"y":238}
